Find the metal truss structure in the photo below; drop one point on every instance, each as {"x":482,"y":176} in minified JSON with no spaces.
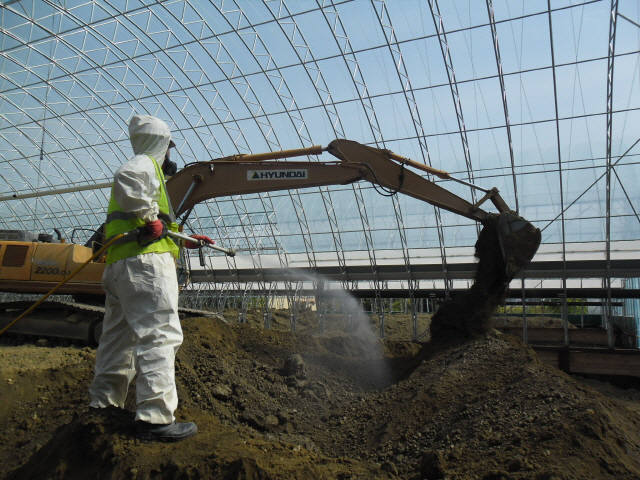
{"x":515,"y":94}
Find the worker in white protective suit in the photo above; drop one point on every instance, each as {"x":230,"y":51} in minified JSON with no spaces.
{"x":141,"y":330}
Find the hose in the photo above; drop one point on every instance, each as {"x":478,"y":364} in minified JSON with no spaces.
{"x":62,"y":282}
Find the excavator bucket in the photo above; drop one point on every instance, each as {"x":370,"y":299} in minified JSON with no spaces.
{"x":519,"y":240}
{"x":505,"y":246}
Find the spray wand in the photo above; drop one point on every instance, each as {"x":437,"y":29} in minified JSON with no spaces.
{"x":201,"y":243}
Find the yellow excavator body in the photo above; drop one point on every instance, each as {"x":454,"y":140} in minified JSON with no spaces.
{"x":36,"y":267}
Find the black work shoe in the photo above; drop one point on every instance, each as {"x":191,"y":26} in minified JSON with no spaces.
{"x":171,"y":432}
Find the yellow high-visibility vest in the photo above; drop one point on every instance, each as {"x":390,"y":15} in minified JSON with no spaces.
{"x":119,"y":221}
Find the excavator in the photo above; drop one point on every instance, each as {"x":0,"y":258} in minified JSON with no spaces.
{"x":506,"y":243}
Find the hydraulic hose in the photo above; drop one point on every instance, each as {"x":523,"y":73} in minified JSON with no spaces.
{"x":61,"y":283}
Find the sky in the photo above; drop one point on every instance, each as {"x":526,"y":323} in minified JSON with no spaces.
{"x":261,"y":76}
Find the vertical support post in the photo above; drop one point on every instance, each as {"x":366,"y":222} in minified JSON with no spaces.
{"x":268,"y":305}
{"x":525,"y":330}
{"x":381,"y":316}
{"x":565,"y":319}
{"x":608,"y":318}
{"x":610,"y":64}
{"x":320,"y":303}
{"x":414,"y":318}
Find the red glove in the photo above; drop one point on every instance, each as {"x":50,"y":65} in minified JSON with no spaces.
{"x":198,"y":237}
{"x":154,"y":229}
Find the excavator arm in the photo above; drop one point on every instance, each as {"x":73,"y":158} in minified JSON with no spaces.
{"x":242,"y":174}
{"x":388,"y":169}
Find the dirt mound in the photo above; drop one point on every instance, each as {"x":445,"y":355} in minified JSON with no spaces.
{"x":485,"y":409}
{"x":490,"y":409}
{"x":101,"y":445}
{"x":40,"y":388}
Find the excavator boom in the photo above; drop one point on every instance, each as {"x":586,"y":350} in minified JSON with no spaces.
{"x":242,"y":174}
{"x":202,"y":181}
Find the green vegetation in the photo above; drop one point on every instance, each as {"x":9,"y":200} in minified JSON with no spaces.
{"x":553,"y":307}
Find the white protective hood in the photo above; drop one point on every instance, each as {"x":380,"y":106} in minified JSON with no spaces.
{"x":149,"y":135}
{"x":136,"y":186}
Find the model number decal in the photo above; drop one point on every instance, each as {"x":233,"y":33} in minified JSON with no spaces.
{"x":277,"y":174}
{"x":50,"y":271}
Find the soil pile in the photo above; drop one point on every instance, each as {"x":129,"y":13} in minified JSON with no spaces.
{"x":41,"y":388}
{"x":274,"y":405}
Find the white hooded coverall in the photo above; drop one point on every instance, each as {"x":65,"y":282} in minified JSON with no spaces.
{"x":141,"y":330}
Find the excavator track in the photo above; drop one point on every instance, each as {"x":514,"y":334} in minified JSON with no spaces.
{"x":69,"y":320}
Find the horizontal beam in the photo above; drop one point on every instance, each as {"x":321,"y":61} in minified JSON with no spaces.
{"x":593,"y":361}
{"x":58,"y":191}
{"x":455,"y":271}
{"x":554,"y":336}
{"x":617,"y":293}
{"x":556,"y":302}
